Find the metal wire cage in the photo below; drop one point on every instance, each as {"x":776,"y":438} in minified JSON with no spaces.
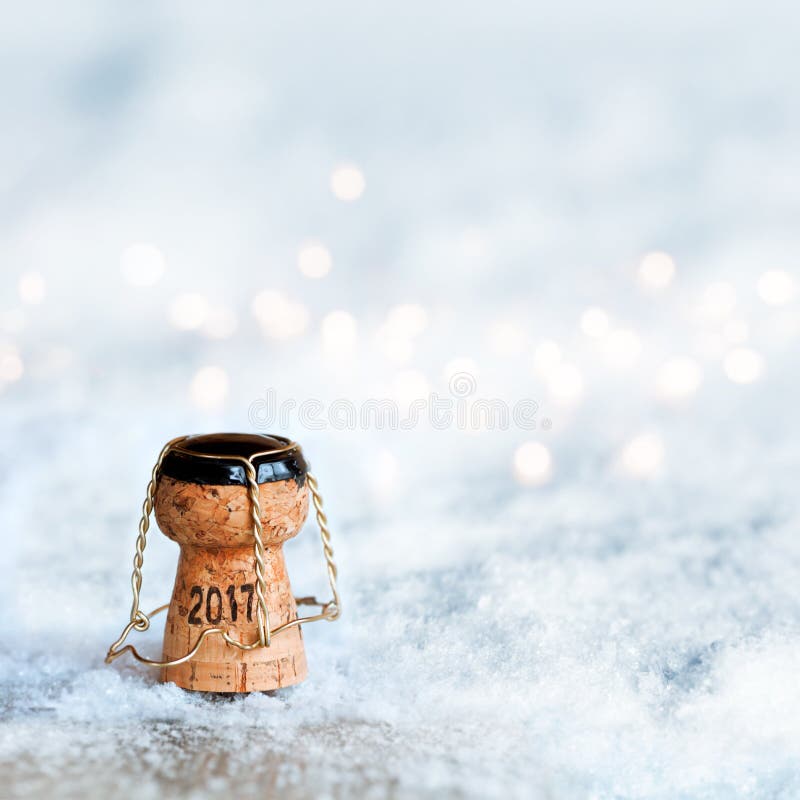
{"x":139,"y":621}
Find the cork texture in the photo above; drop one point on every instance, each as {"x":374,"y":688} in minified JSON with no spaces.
{"x":215,"y":584}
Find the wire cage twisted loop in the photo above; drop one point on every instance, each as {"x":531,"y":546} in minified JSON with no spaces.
{"x":140,"y":621}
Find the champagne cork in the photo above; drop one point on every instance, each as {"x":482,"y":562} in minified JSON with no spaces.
{"x":203,"y":504}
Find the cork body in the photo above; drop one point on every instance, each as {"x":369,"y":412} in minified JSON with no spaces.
{"x":216,"y":579}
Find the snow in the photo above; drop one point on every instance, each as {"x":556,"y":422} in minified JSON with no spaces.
{"x":626,"y":623}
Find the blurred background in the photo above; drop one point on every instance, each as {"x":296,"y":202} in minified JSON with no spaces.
{"x":592,"y":209}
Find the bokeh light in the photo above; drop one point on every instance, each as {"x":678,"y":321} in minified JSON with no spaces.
{"x":565,"y":383}
{"x":744,"y":365}
{"x":533,"y":464}
{"x":595,"y":323}
{"x":507,"y":339}
{"x":643,"y":456}
{"x":347,"y":182}
{"x":32,"y":288}
{"x":142,"y":264}
{"x":622,"y":348}
{"x":188,"y":311}
{"x":656,"y":271}
{"x":546,"y":357}
{"x":409,"y":385}
{"x":395,"y":348}
{"x":209,"y":388}
{"x":339,"y":333}
{"x":11,"y":366}
{"x":679,"y":378}
{"x":407,"y":319}
{"x":278,"y":316}
{"x":314,"y":260}
{"x":776,"y":287}
{"x":395,"y":338}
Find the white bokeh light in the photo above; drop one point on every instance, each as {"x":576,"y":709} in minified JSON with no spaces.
{"x":656,"y":271}
{"x":407,"y":319}
{"x":339,"y":333}
{"x":209,"y":388}
{"x":395,"y":338}
{"x":622,"y":348}
{"x":776,"y":287}
{"x":188,"y":311}
{"x":643,"y":456}
{"x":32,"y":288}
{"x":743,"y":365}
{"x":565,"y":383}
{"x":347,"y":182}
{"x":595,"y":323}
{"x":11,"y":366}
{"x":142,"y":264}
{"x":397,"y":349}
{"x":409,"y":385}
{"x":546,"y":357}
{"x":507,"y":339}
{"x":314,"y":260}
{"x":279,"y":317}
{"x":679,"y":378}
{"x":533,"y":464}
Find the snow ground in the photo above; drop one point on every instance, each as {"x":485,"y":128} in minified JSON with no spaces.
{"x":630,"y":628}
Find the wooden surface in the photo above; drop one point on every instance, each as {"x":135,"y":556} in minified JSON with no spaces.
{"x":215,"y":584}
